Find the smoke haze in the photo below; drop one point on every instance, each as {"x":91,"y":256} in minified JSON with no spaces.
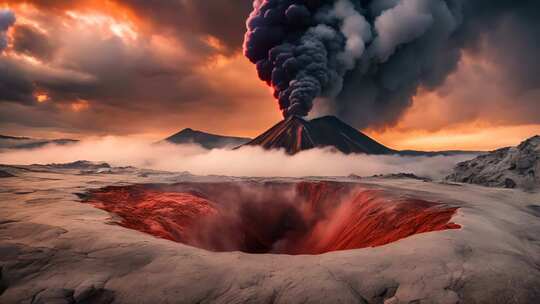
{"x":247,"y":161}
{"x":367,"y":59}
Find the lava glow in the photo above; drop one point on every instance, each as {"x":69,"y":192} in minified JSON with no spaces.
{"x":283,"y":218}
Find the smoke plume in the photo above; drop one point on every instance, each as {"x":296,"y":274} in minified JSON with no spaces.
{"x":303,"y":48}
{"x":365,"y":59}
{"x":7,"y":19}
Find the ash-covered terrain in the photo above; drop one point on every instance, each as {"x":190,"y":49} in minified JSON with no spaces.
{"x":93,"y":233}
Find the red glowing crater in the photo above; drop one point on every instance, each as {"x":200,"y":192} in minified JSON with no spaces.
{"x":288,"y":218}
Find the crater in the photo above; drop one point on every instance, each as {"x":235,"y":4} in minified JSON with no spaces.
{"x":274,"y":217}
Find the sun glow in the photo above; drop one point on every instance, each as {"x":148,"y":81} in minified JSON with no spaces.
{"x":471,"y":136}
{"x":80,"y":105}
{"x":214,"y":43}
{"x":124,"y":29}
{"x":41,"y":98}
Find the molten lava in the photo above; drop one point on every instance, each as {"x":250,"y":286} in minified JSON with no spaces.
{"x":288,"y":218}
{"x":168,"y":215}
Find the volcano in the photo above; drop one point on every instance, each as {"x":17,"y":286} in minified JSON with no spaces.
{"x":206,"y":140}
{"x":295,"y":134}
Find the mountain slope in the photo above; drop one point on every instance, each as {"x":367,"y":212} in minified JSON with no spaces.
{"x":513,"y":167}
{"x":296,"y":134}
{"x":206,"y":140}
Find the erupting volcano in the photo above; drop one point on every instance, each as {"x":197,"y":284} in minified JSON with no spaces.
{"x":295,"y":134}
{"x":310,"y":211}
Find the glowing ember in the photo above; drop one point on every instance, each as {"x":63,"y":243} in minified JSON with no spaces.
{"x":303,"y":218}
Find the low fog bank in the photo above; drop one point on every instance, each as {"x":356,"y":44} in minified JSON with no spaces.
{"x":248,"y":161}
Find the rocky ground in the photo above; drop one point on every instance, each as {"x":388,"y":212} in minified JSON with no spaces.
{"x":513,"y":167}
{"x":56,"y":249}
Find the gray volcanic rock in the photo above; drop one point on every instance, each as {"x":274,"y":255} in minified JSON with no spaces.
{"x":55,"y":249}
{"x":206,"y":140}
{"x":81,"y":164}
{"x":404,"y":176}
{"x":513,"y":167}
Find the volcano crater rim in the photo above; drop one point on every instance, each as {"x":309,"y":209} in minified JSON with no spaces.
{"x":273,"y":217}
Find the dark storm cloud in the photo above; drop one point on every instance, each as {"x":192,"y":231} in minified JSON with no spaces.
{"x":514,"y":43}
{"x":30,"y":41}
{"x":506,"y":33}
{"x":112,"y":71}
{"x":410,"y":44}
{"x":107,"y":71}
{"x":370,"y":82}
{"x":135,"y":78}
{"x":14,"y":85}
{"x":222,"y":19}
{"x":70,"y":62}
{"x":500,"y":83}
{"x":7,"y":19}
{"x":19,"y":81}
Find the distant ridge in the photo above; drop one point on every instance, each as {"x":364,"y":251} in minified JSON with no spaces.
{"x":14,"y":142}
{"x":206,"y":140}
{"x":13,"y":137}
{"x":296,"y":134}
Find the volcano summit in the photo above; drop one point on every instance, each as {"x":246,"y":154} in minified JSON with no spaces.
{"x":295,"y":134}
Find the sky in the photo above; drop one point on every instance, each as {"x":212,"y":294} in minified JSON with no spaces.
{"x":143,"y":68}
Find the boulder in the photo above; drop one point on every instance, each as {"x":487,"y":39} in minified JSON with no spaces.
{"x":512,"y":167}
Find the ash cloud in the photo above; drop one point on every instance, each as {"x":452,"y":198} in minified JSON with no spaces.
{"x":7,"y":19}
{"x":30,"y":41}
{"x":373,"y":56}
{"x":303,"y":49}
{"x":222,"y":19}
{"x":369,"y":82}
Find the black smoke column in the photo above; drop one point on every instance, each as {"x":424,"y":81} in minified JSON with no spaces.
{"x":366,"y":59}
{"x":303,"y":48}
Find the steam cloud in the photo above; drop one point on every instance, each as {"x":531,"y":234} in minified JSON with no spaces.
{"x":197,"y":160}
{"x":365,"y":58}
{"x":7,"y":19}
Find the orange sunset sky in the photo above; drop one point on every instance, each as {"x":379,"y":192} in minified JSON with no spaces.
{"x":80,"y":69}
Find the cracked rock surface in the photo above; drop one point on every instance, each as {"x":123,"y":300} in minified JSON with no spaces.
{"x":55,"y":249}
{"x":514,"y":167}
